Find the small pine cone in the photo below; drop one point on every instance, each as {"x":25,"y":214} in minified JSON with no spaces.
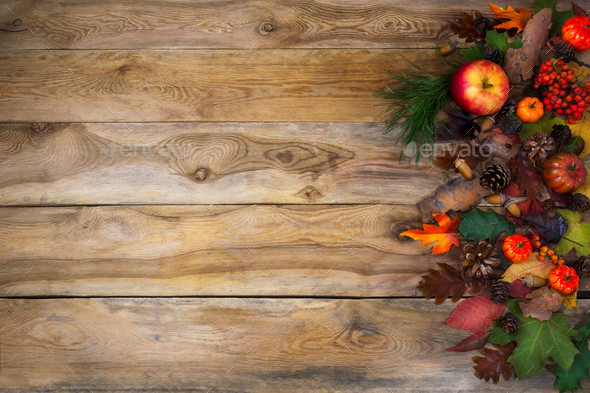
{"x":492,"y":54}
{"x":508,"y":108}
{"x":479,"y":258}
{"x":511,"y":126}
{"x":480,"y":25}
{"x":495,"y":177}
{"x":500,"y":292}
{"x":582,"y":266}
{"x":561,"y":133}
{"x":565,"y":51}
{"x":579,"y":203}
{"x":548,"y":205}
{"x":539,"y":147}
{"x":513,"y":173}
{"x":509,"y":323}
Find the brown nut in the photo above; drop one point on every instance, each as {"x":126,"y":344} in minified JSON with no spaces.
{"x":496,"y":199}
{"x":487,"y":124}
{"x":533,"y":281}
{"x":464,"y":169}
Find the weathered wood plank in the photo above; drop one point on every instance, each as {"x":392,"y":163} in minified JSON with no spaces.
{"x":205,"y":85}
{"x":245,"y":345}
{"x":127,"y":24}
{"x":97,"y":163}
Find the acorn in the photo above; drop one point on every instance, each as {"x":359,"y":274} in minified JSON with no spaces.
{"x":464,"y":169}
{"x":533,"y":281}
{"x":448,"y":48}
{"x":512,"y":207}
{"x":487,"y":124}
{"x":496,"y":199}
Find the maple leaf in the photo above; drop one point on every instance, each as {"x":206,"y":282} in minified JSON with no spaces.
{"x":471,"y":343}
{"x":582,"y":128}
{"x":445,"y":233}
{"x":537,"y":341}
{"x":494,"y":364}
{"x":531,"y":266}
{"x":551,"y":228}
{"x":526,"y":176}
{"x":543,"y":125}
{"x":542,"y":304}
{"x":570,"y":379}
{"x":475,"y":314}
{"x":450,"y":282}
{"x":481,"y":225}
{"x":500,"y":41}
{"x":518,"y":290}
{"x":578,"y":232}
{"x":517,"y":19}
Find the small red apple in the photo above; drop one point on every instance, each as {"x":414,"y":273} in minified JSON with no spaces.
{"x":480,"y":87}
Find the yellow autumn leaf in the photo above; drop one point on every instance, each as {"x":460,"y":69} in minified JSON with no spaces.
{"x":569,"y":301}
{"x":582,"y":128}
{"x":531,"y":266}
{"x":581,"y":71}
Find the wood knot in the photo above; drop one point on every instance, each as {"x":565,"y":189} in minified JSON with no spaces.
{"x":400,"y":228}
{"x":42,"y":128}
{"x":266,"y":27}
{"x":309,"y":193}
{"x":201,"y":174}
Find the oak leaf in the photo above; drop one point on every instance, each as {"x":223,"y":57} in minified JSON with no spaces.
{"x":475,"y":314}
{"x":481,"y":225}
{"x":494,"y":363}
{"x":471,"y":343}
{"x":445,"y":233}
{"x":463,"y":27}
{"x":518,"y":19}
{"x":450,"y":282}
{"x":543,"y":302}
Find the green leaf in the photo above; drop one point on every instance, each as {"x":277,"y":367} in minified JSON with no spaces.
{"x":544,"y":124}
{"x":473,"y":53}
{"x":540,"y":4}
{"x":537,"y":341}
{"x":570,"y":379}
{"x":481,"y":225}
{"x":558,"y":18}
{"x":577,"y":231}
{"x":500,"y":41}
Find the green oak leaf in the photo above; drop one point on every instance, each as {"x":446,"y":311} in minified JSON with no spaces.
{"x":570,"y":379}
{"x":481,"y":225}
{"x":473,"y":53}
{"x":544,"y":124}
{"x":558,"y":18}
{"x":577,"y":231}
{"x":537,"y":341}
{"x":500,"y":41}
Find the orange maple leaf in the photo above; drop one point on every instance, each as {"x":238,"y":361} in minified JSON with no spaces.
{"x":446,"y":233}
{"x":517,"y":19}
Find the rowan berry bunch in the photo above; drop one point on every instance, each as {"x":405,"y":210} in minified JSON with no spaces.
{"x":546,"y":251}
{"x":562,"y":95}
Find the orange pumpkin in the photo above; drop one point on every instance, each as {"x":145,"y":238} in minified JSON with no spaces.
{"x":530,"y":109}
{"x":517,"y":248}
{"x":564,"y":172}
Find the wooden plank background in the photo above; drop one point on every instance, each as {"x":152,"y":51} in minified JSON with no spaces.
{"x":198,"y":196}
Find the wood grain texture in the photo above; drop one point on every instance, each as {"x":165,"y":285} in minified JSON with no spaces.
{"x":204,"y":24}
{"x":208,"y":163}
{"x":240,"y":345}
{"x":206,"y":85}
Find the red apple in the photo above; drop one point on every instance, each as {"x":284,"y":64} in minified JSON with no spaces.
{"x":480,"y":87}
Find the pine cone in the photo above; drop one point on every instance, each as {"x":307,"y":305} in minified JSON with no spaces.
{"x":480,"y":258}
{"x":579,"y":203}
{"x":582,"y":266}
{"x":511,"y":126}
{"x":508,"y":108}
{"x":538,"y":147}
{"x":548,"y":205}
{"x":500,"y":292}
{"x":561,"y":133}
{"x":495,"y":177}
{"x":481,"y":25}
{"x":492,"y":54}
{"x":509,"y":323}
{"x":565,"y":51}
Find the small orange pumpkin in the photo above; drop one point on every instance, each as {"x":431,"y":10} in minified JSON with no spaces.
{"x":530,"y":109}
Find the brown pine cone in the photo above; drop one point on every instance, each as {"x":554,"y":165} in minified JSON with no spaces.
{"x":549,"y":205}
{"x":539,"y":147}
{"x":565,"y":51}
{"x":495,"y":177}
{"x":582,"y":266}
{"x":481,"y":25}
{"x":480,"y":258}
{"x":511,"y":126}
{"x":508,"y":108}
{"x":500,"y":292}
{"x":561,"y":133}
{"x":509,"y":323}
{"x":579,"y":203}
{"x":492,"y":54}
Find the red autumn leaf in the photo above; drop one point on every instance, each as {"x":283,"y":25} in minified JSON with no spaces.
{"x":518,"y":19}
{"x":445,"y":233}
{"x":471,"y":343}
{"x":450,"y":282}
{"x":494,"y":364}
{"x":579,"y":11}
{"x":527,"y":178}
{"x":511,"y":190}
{"x":559,"y":198}
{"x":475,"y":314}
{"x":519,"y":291}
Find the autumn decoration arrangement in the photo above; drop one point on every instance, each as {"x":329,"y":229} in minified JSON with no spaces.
{"x":511,"y":110}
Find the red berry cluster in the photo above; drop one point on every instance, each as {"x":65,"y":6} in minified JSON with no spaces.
{"x":563,"y":95}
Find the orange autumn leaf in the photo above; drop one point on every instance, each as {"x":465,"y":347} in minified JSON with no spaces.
{"x":445,"y":233}
{"x":517,"y":19}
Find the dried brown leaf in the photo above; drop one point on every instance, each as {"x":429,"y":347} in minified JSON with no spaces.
{"x":543,"y":303}
{"x":494,"y":364}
